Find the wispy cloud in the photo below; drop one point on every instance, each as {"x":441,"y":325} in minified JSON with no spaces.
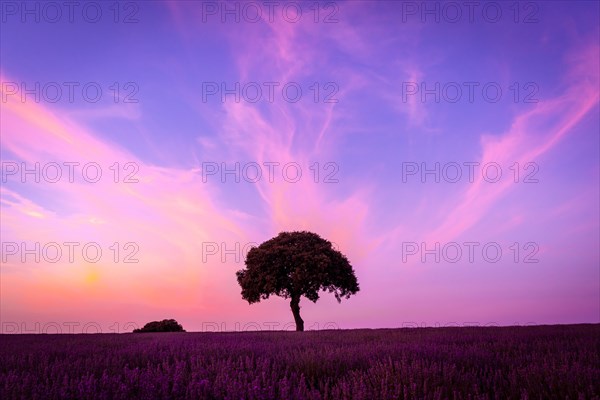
{"x":532,"y":134}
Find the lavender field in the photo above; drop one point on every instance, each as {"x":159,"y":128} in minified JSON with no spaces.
{"x":538,"y":362}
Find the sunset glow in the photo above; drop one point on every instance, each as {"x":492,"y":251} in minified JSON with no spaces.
{"x":418,"y":147}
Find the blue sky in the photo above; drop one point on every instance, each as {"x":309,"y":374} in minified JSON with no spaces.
{"x":546,"y":120}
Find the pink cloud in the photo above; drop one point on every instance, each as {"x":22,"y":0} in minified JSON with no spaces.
{"x":167,"y":214}
{"x":532,"y":134}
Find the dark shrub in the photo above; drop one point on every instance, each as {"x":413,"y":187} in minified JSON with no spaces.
{"x":166,"y":325}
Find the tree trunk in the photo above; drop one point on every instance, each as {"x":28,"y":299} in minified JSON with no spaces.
{"x":295,"y":304}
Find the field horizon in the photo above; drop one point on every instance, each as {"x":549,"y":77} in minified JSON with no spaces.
{"x":411,"y":327}
{"x":514,"y":362}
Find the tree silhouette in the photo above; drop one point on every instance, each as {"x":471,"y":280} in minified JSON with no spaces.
{"x":166,"y":325}
{"x":295,"y":264}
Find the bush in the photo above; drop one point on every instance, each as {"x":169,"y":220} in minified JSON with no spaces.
{"x":166,"y":325}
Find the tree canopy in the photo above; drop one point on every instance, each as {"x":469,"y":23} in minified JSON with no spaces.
{"x":295,"y":264}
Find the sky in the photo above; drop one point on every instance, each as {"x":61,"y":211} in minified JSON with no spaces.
{"x":449,"y":150}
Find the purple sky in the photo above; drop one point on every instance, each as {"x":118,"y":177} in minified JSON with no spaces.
{"x":361,"y":98}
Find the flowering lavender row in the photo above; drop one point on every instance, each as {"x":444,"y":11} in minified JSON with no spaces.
{"x":426,"y":363}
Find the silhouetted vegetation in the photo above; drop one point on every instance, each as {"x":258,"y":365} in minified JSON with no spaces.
{"x":295,"y":264}
{"x":166,"y":325}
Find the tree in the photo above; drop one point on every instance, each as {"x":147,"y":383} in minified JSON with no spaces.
{"x":166,"y":325}
{"x":295,"y":264}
